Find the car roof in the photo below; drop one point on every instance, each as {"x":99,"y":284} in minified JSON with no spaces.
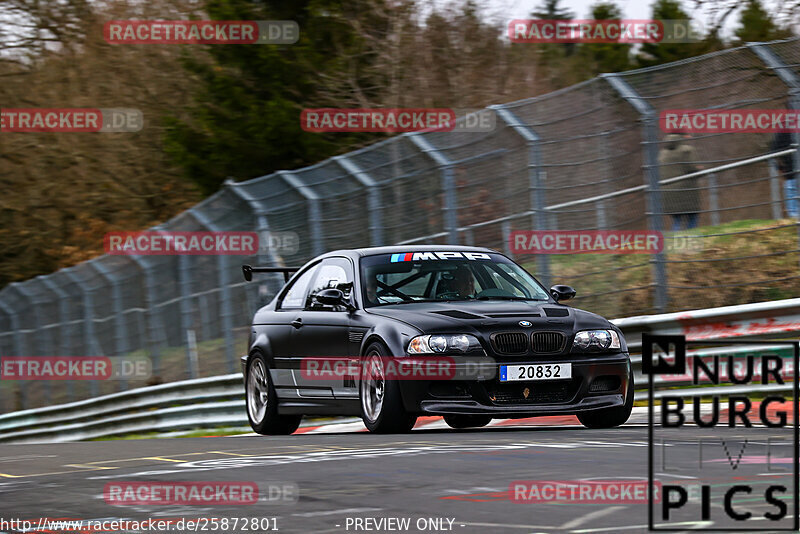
{"x":395,"y":249}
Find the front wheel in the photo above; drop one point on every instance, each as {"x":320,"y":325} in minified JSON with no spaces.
{"x":262,"y":402}
{"x":609,"y":417}
{"x":381,"y":404}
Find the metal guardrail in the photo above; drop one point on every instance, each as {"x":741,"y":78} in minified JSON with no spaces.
{"x":218,"y":400}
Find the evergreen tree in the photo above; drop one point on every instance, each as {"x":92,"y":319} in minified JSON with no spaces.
{"x":605,"y":57}
{"x":658,"y":53}
{"x":755,"y":24}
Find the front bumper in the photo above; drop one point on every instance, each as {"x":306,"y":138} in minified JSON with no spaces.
{"x":527,"y":398}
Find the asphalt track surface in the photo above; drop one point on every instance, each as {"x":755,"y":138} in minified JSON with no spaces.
{"x":460,"y":478}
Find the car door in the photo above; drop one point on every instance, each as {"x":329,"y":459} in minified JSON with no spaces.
{"x":280,"y":334}
{"x":322,"y":330}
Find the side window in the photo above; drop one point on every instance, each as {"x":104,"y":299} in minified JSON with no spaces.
{"x":333,"y":273}
{"x":295,"y":298}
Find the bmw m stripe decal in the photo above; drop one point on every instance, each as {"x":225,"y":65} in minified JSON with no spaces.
{"x":416,"y":256}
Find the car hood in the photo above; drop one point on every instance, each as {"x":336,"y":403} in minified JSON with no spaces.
{"x":490,"y":316}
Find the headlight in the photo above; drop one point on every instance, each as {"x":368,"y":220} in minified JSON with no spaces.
{"x":596,"y":340}
{"x":438,"y":344}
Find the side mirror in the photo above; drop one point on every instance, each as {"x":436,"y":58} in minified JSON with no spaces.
{"x":333,"y":297}
{"x":561,"y":292}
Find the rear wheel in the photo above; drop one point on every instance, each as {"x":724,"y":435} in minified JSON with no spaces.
{"x":381,"y":404}
{"x":467,"y":421}
{"x":609,"y":417}
{"x":262,"y":402}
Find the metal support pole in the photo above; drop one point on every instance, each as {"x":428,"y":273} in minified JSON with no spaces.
{"x":602,"y":221}
{"x":374,"y":207}
{"x":505,"y":228}
{"x":651,"y":168}
{"x":271,"y":286}
{"x":89,"y":337}
{"x":155,"y":335}
{"x":63,"y":318}
{"x":226,"y":309}
{"x":448,"y":184}
{"x":120,"y":324}
{"x":775,"y":190}
{"x":713,"y":199}
{"x":314,"y":213}
{"x":469,"y":237}
{"x":19,"y":348}
{"x":536,"y":179}
{"x":38,"y":327}
{"x":184,"y":283}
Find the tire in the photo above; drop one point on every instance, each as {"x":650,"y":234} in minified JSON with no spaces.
{"x":610,"y":417}
{"x":381,"y":404}
{"x":261,"y":402}
{"x":467,"y":421}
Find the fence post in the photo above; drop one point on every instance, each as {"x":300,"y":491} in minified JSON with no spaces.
{"x":19,"y":348}
{"x":448,"y":184}
{"x":120,"y":325}
{"x":37,"y":328}
{"x":63,"y":318}
{"x":226,"y":311}
{"x":153,"y":320}
{"x":775,"y":190}
{"x":536,"y":177}
{"x":374,"y":207}
{"x":469,"y":237}
{"x":602,"y":221}
{"x":787,"y":75}
{"x":184,"y":283}
{"x":651,"y":168}
{"x":314,"y":214}
{"x":505,"y":229}
{"x":88,"y":324}
{"x":263,"y":230}
{"x":713,"y":199}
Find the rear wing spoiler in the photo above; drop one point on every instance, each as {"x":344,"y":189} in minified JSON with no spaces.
{"x":248,"y":271}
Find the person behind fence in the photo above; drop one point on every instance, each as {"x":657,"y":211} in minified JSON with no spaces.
{"x":680,"y":199}
{"x":783,"y":141}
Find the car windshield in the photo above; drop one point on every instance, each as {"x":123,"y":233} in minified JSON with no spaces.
{"x":445,"y":276}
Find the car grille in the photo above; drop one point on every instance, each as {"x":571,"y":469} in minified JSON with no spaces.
{"x":547,"y":342}
{"x":537,"y":392}
{"x":510,"y":343}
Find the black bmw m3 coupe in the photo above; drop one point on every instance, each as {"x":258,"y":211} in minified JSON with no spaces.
{"x":392,"y":333}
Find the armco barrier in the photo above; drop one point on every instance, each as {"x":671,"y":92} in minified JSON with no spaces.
{"x":219,"y":400}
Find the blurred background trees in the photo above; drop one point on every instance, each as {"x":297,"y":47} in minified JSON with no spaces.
{"x":213,"y":112}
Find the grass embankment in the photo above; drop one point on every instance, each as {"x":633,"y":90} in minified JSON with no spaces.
{"x":733,"y":263}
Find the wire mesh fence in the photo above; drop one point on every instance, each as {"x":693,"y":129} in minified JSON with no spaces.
{"x":588,"y":157}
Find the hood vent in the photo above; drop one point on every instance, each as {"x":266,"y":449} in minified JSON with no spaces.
{"x":512,"y":315}
{"x":556,"y":312}
{"x":457,"y":314}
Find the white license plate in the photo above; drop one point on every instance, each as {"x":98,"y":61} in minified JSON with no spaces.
{"x":542,"y":371}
